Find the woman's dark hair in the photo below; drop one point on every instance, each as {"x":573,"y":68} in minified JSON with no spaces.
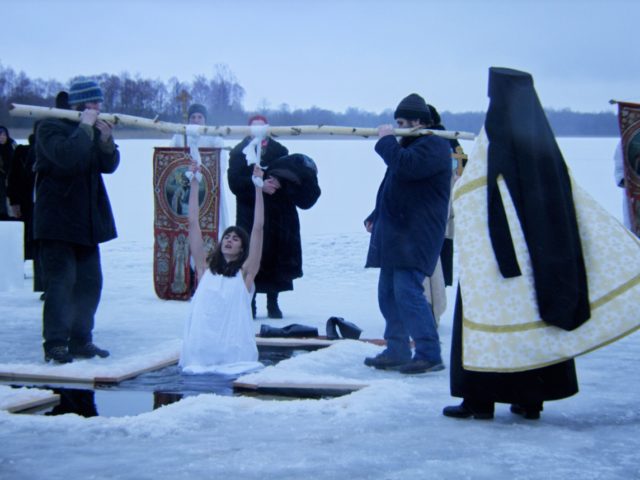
{"x":219,"y":265}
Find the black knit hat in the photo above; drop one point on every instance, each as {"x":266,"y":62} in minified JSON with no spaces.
{"x":413,"y":107}
{"x":197,"y":108}
{"x":84,"y":90}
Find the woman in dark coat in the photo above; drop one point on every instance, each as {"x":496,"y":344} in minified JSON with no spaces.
{"x":7,"y":147}
{"x":20,"y":185}
{"x":290,"y":183}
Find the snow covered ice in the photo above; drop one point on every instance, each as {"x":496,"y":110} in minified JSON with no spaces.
{"x":393,"y":429}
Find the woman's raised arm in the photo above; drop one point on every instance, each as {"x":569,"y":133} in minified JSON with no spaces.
{"x":252,"y":263}
{"x":196,"y":243}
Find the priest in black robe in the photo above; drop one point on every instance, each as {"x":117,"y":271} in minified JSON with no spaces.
{"x":523,"y":151}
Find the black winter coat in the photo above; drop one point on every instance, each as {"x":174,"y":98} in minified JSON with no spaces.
{"x":71,"y":199}
{"x":6,"y":157}
{"x":412,"y":204}
{"x":282,"y":249}
{"x":20,"y":189}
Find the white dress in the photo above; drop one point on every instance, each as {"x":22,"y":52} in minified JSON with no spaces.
{"x":219,"y":335}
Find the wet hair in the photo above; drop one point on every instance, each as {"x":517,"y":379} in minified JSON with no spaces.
{"x":217,"y":262}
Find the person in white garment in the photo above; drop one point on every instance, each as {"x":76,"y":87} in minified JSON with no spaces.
{"x":197,"y":115}
{"x":219,"y":334}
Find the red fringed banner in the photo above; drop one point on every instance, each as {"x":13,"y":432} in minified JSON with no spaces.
{"x":171,"y":265}
{"x":629,"y":120}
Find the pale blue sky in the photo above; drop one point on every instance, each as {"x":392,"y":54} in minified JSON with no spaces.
{"x":337,"y":54}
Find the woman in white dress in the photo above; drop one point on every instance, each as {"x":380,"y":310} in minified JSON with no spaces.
{"x":219,"y":335}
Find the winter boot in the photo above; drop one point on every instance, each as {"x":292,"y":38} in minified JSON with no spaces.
{"x":88,"y":350}
{"x":273,"y":311}
{"x":59,"y":354}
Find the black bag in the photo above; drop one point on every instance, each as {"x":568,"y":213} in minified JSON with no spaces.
{"x":347,"y":329}
{"x":294,"y":330}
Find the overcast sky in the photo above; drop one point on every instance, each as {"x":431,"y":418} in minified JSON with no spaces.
{"x":337,"y":54}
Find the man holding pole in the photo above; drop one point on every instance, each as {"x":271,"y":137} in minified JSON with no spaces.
{"x":72,"y":216}
{"x":407,"y":230}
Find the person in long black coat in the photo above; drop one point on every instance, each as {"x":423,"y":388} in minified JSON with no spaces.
{"x":290,"y":183}
{"x":20,"y":189}
{"x":7,"y":147}
{"x":523,"y":150}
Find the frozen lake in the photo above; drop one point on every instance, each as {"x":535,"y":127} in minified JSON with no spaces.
{"x":393,"y":429}
{"x":349,"y":174}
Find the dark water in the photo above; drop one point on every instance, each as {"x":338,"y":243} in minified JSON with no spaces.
{"x":150,"y":390}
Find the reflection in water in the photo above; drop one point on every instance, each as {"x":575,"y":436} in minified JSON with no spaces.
{"x":72,"y":400}
{"x":160,"y":399}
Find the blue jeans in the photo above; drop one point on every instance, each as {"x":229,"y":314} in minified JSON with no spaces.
{"x":407,"y":314}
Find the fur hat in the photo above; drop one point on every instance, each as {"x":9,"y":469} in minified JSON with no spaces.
{"x":413,"y":107}
{"x":84,"y":90}
{"x":62,"y":100}
{"x":258,"y":117}
{"x":435,"y":116}
{"x":197,"y":108}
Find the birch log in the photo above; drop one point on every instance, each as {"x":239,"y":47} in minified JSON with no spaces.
{"x":18,"y":110}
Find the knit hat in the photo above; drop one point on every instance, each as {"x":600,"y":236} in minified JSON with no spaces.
{"x":413,"y":107}
{"x":258,"y":117}
{"x":84,"y":90}
{"x":197,"y":108}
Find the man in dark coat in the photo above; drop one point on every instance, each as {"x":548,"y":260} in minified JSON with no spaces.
{"x":407,"y":231}
{"x":72,"y":216}
{"x":523,"y":150}
{"x":290,"y":183}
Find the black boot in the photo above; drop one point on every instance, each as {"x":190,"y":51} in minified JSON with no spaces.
{"x":273,"y":311}
{"x":88,"y":350}
{"x":468,"y":409}
{"x":58,"y":354}
{"x":528,"y":411}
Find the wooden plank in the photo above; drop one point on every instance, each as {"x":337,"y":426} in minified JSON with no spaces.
{"x":301,"y":343}
{"x":33,"y":404}
{"x":156,"y":366}
{"x":42,"y":377}
{"x":317,"y":342}
{"x":299,"y":390}
{"x":72,"y":379}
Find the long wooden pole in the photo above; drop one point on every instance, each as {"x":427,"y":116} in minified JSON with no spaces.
{"x":32,"y":111}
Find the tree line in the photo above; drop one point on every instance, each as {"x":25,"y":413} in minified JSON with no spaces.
{"x":223,"y":96}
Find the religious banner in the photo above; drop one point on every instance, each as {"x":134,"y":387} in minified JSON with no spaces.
{"x":172,"y":274}
{"x":629,"y":121}
{"x":502,"y":328}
